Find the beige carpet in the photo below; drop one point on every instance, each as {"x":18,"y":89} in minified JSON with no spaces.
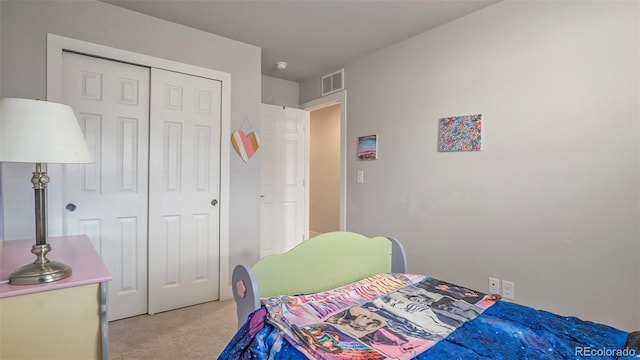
{"x":195,"y":332}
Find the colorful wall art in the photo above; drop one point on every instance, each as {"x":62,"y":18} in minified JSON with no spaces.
{"x":368,"y":147}
{"x":460,"y":133}
{"x":245,"y":141}
{"x":245,"y":144}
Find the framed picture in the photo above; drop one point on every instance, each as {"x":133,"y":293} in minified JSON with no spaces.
{"x":368,"y":147}
{"x":460,"y":133}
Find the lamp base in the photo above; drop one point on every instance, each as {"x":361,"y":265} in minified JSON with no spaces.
{"x":41,"y":271}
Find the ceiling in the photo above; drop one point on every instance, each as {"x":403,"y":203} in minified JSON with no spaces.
{"x":314,"y":37}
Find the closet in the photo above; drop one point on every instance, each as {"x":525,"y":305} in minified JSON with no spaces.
{"x":150,"y":201}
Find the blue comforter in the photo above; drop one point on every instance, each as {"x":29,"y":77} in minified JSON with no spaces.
{"x":504,"y":331}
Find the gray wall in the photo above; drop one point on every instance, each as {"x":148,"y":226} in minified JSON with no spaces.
{"x":25,"y":25}
{"x":279,"y":92}
{"x":551,"y":202}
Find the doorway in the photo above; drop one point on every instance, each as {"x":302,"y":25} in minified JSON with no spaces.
{"x":273,"y":167}
{"x":324,"y":170}
{"x":338,"y":99}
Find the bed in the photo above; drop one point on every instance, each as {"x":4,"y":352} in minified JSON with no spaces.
{"x":343,"y":295}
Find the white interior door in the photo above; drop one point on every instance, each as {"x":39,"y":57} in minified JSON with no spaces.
{"x":184,"y":187}
{"x":107,"y":200}
{"x":282,"y":193}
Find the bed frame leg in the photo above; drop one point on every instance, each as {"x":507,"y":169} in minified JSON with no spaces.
{"x":245,"y":292}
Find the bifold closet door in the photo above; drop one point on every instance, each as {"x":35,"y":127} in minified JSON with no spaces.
{"x":149,"y":201}
{"x":184,"y":187}
{"x":107,"y":200}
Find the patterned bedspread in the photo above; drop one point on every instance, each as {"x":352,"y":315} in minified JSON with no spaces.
{"x":394,"y":316}
{"x":403,"y":316}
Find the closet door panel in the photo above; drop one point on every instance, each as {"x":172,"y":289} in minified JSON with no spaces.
{"x":184,"y":189}
{"x":107,"y":200}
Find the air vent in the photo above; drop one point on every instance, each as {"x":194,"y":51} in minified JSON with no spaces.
{"x":333,"y":82}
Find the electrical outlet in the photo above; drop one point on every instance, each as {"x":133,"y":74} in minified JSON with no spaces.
{"x":360,"y":177}
{"x":494,"y":286}
{"x":508,"y":290}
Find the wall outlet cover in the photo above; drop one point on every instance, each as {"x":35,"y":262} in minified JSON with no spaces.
{"x":508,"y":290}
{"x":494,"y":286}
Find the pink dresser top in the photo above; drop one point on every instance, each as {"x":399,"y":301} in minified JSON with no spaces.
{"x":76,"y":251}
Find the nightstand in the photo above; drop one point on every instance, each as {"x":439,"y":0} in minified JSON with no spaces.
{"x":65,"y":319}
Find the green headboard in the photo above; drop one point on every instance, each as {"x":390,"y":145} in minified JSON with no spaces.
{"x":321,"y":263}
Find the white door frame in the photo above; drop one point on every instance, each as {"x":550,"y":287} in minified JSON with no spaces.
{"x":57,"y":44}
{"x":339,"y":97}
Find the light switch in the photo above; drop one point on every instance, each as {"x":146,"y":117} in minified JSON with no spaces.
{"x":360,"y":178}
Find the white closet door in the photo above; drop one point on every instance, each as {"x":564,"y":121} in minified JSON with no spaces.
{"x":184,"y":189}
{"x":282,"y":196}
{"x":107,"y":200}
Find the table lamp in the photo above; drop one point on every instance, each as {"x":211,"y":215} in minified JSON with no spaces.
{"x":36,"y":131}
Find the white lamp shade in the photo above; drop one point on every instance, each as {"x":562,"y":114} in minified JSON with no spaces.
{"x":38,"y":131}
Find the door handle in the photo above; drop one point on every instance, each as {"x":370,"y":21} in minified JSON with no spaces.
{"x":214,"y":202}
{"x":71,"y":207}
